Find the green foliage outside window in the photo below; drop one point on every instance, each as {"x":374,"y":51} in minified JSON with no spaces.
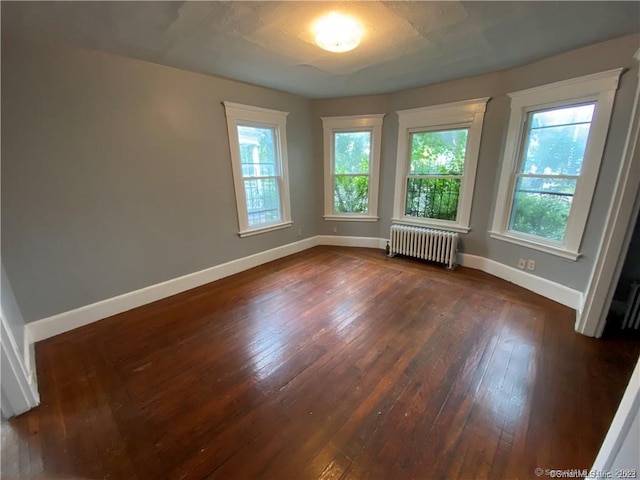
{"x":436,"y":157}
{"x":553,"y":155}
{"x":351,"y":172}
{"x":433,"y":198}
{"x":351,"y":194}
{"x":541,"y":215}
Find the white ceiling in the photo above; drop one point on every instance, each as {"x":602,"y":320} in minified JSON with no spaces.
{"x":406,"y":44}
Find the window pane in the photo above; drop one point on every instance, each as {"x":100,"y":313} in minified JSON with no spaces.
{"x":439,"y":152}
{"x":433,"y":198}
{"x":351,"y":194}
{"x":257,"y":151}
{"x":557,"y":139}
{"x":352,"y":152}
{"x":542,"y":184}
{"x":263,"y":200}
{"x":563,"y":116}
{"x":541,"y":207}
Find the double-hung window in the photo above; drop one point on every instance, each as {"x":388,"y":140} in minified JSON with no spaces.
{"x":352,"y":167}
{"x":436,"y":164}
{"x":257,"y":139}
{"x":552,"y":156}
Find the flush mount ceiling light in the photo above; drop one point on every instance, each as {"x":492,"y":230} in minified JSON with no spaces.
{"x":337,"y":33}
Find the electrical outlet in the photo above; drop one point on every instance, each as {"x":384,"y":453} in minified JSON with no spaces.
{"x":531,"y":265}
{"x":521,"y":263}
{"x":299,"y":232}
{"x":335,"y":229}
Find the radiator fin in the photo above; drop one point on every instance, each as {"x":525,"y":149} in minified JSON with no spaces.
{"x":632,"y":313}
{"x":424,"y":243}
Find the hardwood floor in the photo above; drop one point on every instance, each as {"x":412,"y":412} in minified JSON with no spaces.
{"x":331,"y":363}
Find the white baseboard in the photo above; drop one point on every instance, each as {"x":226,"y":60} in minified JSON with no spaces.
{"x":367,"y":242}
{"x":66,"y":321}
{"x":552,"y":290}
{"x":79,"y":317}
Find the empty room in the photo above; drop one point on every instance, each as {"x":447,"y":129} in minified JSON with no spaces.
{"x":348,"y":240}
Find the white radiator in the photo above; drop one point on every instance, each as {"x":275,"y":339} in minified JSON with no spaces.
{"x":632,"y":313}
{"x":424,"y":243}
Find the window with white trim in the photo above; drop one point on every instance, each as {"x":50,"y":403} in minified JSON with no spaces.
{"x":554,"y":146}
{"x":258,"y":143}
{"x":352,"y":167}
{"x":437,"y":156}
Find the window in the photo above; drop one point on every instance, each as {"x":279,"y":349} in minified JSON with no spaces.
{"x":436,"y":164}
{"x":436,"y":167}
{"x":257,"y":139}
{"x":352,"y":167}
{"x":552,"y":156}
{"x":550,"y":164}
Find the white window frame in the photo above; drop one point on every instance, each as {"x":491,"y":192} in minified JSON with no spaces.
{"x":599,"y":88}
{"x":246,"y":115}
{"x":353,"y":123}
{"x":450,"y":116}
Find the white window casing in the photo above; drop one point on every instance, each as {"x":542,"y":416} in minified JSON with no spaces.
{"x":467,"y":114}
{"x":249,"y":116}
{"x":355,"y":123}
{"x":598,"y":88}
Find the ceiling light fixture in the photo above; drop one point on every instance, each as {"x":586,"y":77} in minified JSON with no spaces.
{"x":337,"y":33}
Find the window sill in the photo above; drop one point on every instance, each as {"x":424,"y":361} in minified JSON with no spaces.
{"x":268,"y":228}
{"x":430,"y":224}
{"x":557,"y":251}
{"x":351,"y":218}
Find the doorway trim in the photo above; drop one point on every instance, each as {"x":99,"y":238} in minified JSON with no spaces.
{"x":624,"y":207}
{"x":18,"y":393}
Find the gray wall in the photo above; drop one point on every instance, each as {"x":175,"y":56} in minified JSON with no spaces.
{"x":596,"y":58}
{"x":116,"y":175}
{"x":11,"y":311}
{"x":362,"y":105}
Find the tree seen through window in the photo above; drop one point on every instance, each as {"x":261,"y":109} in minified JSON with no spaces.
{"x":549,"y":170}
{"x":352,"y":153}
{"x":435,"y":173}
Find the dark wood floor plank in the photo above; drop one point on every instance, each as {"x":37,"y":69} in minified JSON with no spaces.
{"x":283,"y":374}
{"x":478,"y":445}
{"x":73,"y":390}
{"x":326,"y":417}
{"x":468,"y":374}
{"x":333,"y":363}
{"x":106,"y":430}
{"x":10,"y":449}
{"x":417,"y":408}
{"x":36,"y":467}
{"x":55,"y":449}
{"x":321,"y":370}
